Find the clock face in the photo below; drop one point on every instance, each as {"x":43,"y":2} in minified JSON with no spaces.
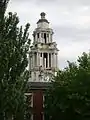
{"x":46,"y":77}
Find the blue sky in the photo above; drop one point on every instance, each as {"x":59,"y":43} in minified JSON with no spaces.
{"x":70,"y":20}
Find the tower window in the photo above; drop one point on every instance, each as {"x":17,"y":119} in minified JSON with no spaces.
{"x":49,"y":60}
{"x":41,"y":54}
{"x":45,"y":37}
{"x":35,"y":45}
{"x":29,"y":102}
{"x":37,"y":35}
{"x":34,"y":36}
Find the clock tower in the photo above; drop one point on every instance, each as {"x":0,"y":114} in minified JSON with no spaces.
{"x":43,"y":56}
{"x":43,"y":64}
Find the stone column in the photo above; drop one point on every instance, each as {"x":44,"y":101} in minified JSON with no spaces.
{"x":45,"y":62}
{"x":29,"y":61}
{"x":42,"y":60}
{"x":51,"y":60}
{"x":49,"y":37}
{"x":46,"y":37}
{"x":48,"y":59}
{"x":37,"y":58}
{"x":33,"y":60}
{"x":35,"y":76}
{"x":42,"y":37}
{"x":35,"y":37}
{"x":39,"y":37}
{"x":32,"y":76}
{"x":56,"y":60}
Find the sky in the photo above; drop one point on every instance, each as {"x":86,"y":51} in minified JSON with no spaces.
{"x":69,"y":19}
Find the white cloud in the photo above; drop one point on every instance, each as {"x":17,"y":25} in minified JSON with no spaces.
{"x":69,"y":18}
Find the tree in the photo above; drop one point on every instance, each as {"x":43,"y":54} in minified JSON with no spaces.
{"x":14,"y":46}
{"x":3,"y":6}
{"x":69,"y":96}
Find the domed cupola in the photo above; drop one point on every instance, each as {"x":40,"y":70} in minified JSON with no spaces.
{"x":42,"y":18}
{"x":43,"y":22}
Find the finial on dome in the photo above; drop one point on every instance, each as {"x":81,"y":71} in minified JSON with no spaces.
{"x":42,"y":18}
{"x":42,"y":15}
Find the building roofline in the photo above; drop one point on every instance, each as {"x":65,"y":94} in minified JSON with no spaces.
{"x":38,"y":85}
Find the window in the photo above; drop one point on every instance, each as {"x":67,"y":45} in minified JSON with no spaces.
{"x":29,"y":105}
{"x":37,"y":35}
{"x":41,"y":54}
{"x":45,"y":37}
{"x":29,"y":99}
{"x":49,"y":60}
{"x":35,"y":45}
{"x":34,"y":36}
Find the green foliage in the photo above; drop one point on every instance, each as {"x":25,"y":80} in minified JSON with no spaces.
{"x":69,"y":96}
{"x":14,"y":46}
{"x":3,"y":6}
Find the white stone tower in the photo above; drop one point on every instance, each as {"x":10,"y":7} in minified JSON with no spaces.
{"x":43,"y":56}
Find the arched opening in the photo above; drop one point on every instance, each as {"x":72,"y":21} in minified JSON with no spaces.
{"x":45,"y":37}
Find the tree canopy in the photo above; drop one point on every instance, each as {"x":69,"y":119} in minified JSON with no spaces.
{"x":3,"y":6}
{"x":69,"y":96}
{"x":14,"y":46}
